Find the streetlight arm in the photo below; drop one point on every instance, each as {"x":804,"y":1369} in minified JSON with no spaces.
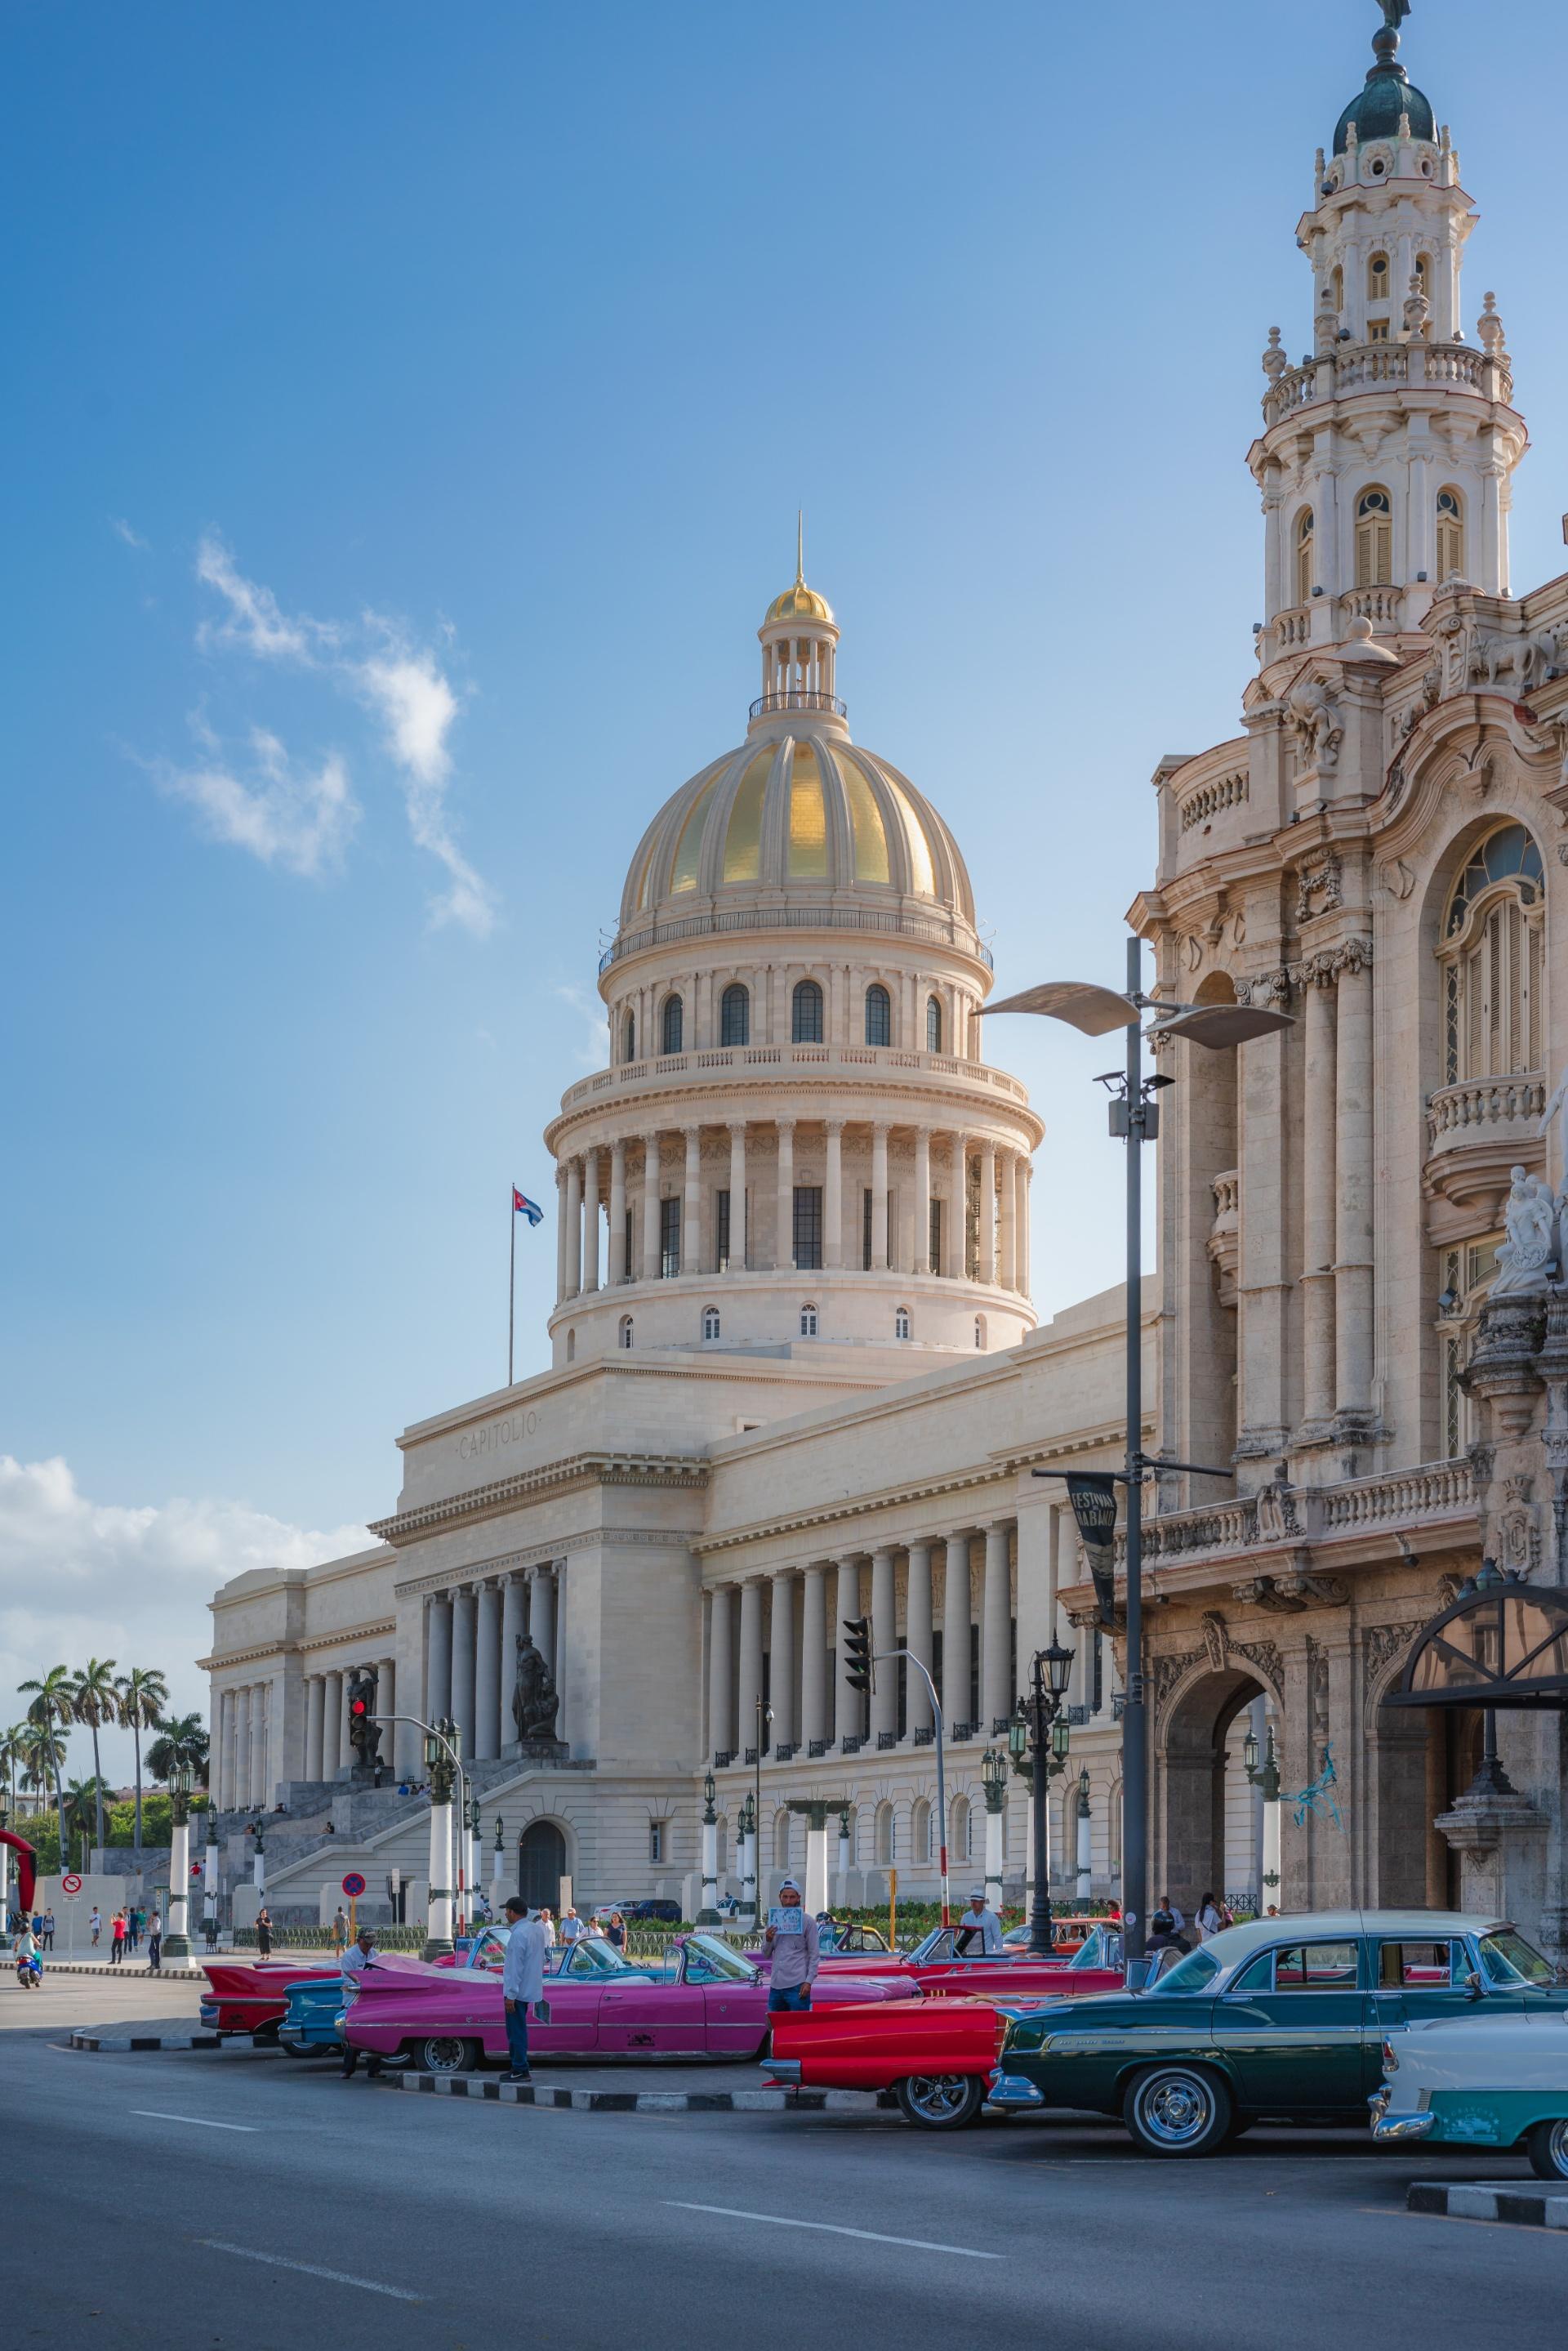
{"x":911,"y":1658}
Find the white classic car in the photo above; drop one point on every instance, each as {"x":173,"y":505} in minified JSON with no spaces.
{"x":1480,"y":2081}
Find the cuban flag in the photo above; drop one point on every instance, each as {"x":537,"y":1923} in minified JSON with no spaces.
{"x":523,"y":1207}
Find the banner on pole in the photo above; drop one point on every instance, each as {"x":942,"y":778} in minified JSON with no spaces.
{"x":1093,"y":1494}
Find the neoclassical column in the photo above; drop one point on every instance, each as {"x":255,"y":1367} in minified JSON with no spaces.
{"x":721,"y":1671}
{"x":813,"y":1655}
{"x":1354,"y":1173}
{"x":884,"y":1637}
{"x":955,"y":1633}
{"x":223,"y":1797}
{"x":487,"y":1674}
{"x":345,"y":1744}
{"x":751,"y":1674}
{"x":261,"y":1743}
{"x":833,"y":1198}
{"x":880,"y":1197}
{"x":573,"y":1227}
{"x":563,"y":1231}
{"x":650,"y":1207}
{"x":691,"y":1214}
{"x":738,"y":1195}
{"x":955,"y":1240}
{"x":590,"y":1219}
{"x":331,"y":1724}
{"x":242,"y":1773}
{"x":781,"y":1657}
{"x":783,"y":1247}
{"x":1023,"y":1172}
{"x":996,"y":1628}
{"x":315,"y":1698}
{"x":918,"y":1635}
{"x":438,"y":1684}
{"x":1318,"y":1181}
{"x":542,"y":1613}
{"x":619,"y":1269}
{"x":513,"y":1600}
{"x":463,"y":1612}
{"x":987,"y":1211}
{"x":921,"y":1260}
{"x":1009,"y":1223}
{"x":849,"y":1705}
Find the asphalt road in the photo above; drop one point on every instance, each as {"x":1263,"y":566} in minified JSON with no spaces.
{"x":188,"y":2203}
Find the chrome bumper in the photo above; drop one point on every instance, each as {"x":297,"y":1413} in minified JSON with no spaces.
{"x":783,"y":2073}
{"x":1387,"y":2128}
{"x":1013,"y":2092}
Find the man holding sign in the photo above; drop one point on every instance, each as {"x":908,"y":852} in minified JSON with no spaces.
{"x":793,"y":1944}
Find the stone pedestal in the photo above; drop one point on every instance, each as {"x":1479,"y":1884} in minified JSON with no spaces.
{"x":1501,"y":1839}
{"x":536,"y":1750}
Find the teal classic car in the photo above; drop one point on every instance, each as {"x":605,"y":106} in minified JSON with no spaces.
{"x":1487,"y":2080}
{"x":312,"y":2024}
{"x":1284,"y":2019}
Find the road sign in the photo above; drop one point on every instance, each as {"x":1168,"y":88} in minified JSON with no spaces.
{"x":353,"y":1884}
{"x":70,"y":1884}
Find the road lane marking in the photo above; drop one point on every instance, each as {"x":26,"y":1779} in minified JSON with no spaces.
{"x":200,"y":2122}
{"x":832,"y":2229}
{"x":311,"y":2269}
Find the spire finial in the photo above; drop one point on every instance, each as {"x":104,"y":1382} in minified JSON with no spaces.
{"x":800,"y":547}
{"x":1385,"y":45}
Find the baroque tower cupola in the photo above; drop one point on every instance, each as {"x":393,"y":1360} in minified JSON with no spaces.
{"x":1386,"y":451}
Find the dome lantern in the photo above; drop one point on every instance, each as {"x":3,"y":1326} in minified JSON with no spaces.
{"x":799,"y":638}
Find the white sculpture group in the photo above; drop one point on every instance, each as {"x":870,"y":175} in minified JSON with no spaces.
{"x":1529,"y":1258}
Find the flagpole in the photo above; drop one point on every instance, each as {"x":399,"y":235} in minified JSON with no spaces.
{"x":511,"y":1274}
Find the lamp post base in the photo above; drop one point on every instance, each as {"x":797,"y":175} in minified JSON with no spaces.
{"x":178,"y":1947}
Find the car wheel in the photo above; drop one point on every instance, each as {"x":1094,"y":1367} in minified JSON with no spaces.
{"x":301,"y":2049}
{"x":940,"y":2101}
{"x":1176,"y":2110}
{"x":1547,"y":2145}
{"x":265,"y":2036}
{"x":444,"y":2053}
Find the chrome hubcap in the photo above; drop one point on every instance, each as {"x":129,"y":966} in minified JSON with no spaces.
{"x":1176,"y":2109}
{"x":938,"y":2096}
{"x":443,"y":2056}
{"x":1557,"y":2148}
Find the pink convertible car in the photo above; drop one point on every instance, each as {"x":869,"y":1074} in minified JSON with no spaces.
{"x":710,"y":2004}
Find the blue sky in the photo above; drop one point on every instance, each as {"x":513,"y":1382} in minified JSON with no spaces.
{"x":408,"y":411}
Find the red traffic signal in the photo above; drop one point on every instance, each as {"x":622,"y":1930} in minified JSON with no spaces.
{"x":358,"y":1707}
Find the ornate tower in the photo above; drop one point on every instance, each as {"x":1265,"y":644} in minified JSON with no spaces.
{"x":1386,"y":454}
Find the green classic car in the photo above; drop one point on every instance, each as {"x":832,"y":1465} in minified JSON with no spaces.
{"x":1284,"y":2019}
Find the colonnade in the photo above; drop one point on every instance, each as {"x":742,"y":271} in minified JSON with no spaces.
{"x":696,"y":999}
{"x":471,"y":1651}
{"x":628,"y":1186}
{"x":779,"y":1637}
{"x":241,"y":1763}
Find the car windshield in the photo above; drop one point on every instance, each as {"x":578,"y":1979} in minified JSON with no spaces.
{"x":1196,"y":1972}
{"x":937,"y":1945}
{"x":1099,"y":1948}
{"x":590,"y":1955}
{"x":1508,"y":1958}
{"x":710,"y":1961}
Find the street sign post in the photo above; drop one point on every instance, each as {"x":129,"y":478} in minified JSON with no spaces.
{"x":353,"y":1887}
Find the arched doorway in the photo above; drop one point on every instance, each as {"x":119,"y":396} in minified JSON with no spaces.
{"x":540,"y":1863}
{"x":1210,"y":1817}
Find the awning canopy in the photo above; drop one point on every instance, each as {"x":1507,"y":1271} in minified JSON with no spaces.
{"x":1503,"y":1642}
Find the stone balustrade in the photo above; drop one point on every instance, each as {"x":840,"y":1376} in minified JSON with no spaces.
{"x":1465,"y":1113}
{"x":1351,"y":367}
{"x":1433,"y":1493}
{"x":724,"y":1064}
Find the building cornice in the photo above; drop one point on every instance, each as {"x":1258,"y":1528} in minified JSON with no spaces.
{"x":678,"y":1472}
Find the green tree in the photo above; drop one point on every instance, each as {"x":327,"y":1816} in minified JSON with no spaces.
{"x":143,"y":1695}
{"x":95,"y":1700}
{"x":13,"y":1759}
{"x":85,"y":1800}
{"x":51,"y":1708}
{"x":184,"y":1741}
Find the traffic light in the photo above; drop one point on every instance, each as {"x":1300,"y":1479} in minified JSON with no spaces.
{"x":857,"y":1652}
{"x":358,"y":1709}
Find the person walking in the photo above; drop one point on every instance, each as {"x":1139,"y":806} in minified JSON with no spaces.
{"x":135,"y":1920}
{"x":615,"y":1931}
{"x":794,"y":1947}
{"x":359,"y":1954}
{"x":264,"y":1932}
{"x":522,"y":1983}
{"x":95,"y":1923}
{"x":979,"y":1927}
{"x":47,"y":1937}
{"x":547,"y":1920}
{"x":339,"y":1933}
{"x":116,"y":1933}
{"x":155,"y":1942}
{"x":572,"y":1927}
{"x":1178,"y":1917}
{"x":1209,"y":1920}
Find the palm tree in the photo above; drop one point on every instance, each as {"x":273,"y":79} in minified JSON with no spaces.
{"x":143,"y":1695}
{"x":53,"y":1704}
{"x":84,"y":1801}
{"x":43,"y":1754}
{"x":95,"y":1700}
{"x":184,"y":1741}
{"x":13,"y":1757}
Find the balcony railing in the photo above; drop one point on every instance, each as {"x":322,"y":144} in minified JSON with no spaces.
{"x":1466,"y":1112}
{"x":860,"y":1058}
{"x":797,"y":698}
{"x":1306,"y":1514}
{"x":1348,"y":368}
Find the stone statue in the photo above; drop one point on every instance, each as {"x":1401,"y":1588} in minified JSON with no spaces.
{"x":1314,"y":723}
{"x":363,"y":1731}
{"x":534,"y":1697}
{"x":1530,"y":1216}
{"x":1395,"y":13}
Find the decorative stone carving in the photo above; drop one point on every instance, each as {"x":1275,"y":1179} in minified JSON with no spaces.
{"x":534,"y":1699}
{"x":1166,"y":1671}
{"x":1315,"y":727}
{"x":1317,"y":1692}
{"x":1276,"y":359}
{"x":1216,"y":1639}
{"x":1379,"y":1645}
{"x":1530,"y":1216}
{"x":1278,"y":1518}
{"x":1399,"y":880}
{"x":1516,"y":1536}
{"x":1289,"y":1595}
{"x":1525,"y":661}
{"x":1418,"y":313}
{"x":1271,"y":990}
{"x":1266,"y":1662}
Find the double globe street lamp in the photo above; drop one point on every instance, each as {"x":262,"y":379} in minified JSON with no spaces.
{"x":1265,"y":1778}
{"x":1037,"y":1740}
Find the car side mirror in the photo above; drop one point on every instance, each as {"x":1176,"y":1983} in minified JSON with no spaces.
{"x":1474,"y":1988}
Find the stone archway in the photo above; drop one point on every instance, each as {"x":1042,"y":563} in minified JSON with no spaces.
{"x":540,"y":1864}
{"x":1199,"y":1793}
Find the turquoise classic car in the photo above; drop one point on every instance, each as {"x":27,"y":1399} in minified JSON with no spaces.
{"x":312,"y":2024}
{"x":1284,"y":2019}
{"x":1492,"y":2079}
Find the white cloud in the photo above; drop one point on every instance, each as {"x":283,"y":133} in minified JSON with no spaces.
{"x":80,"y":1579}
{"x":418,"y":709}
{"x":122,"y":529}
{"x":255,"y":620}
{"x":298,"y":819}
{"x":594,"y":1051}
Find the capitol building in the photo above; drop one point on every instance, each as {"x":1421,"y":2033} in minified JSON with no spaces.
{"x":794,"y":1373}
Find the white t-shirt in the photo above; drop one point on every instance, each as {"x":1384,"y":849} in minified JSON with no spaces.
{"x":985,"y":1928}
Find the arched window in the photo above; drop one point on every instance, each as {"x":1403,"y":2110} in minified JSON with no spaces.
{"x":1377,"y":279}
{"x":1337,"y":287}
{"x":1424,"y":274}
{"x":1304,"y":557}
{"x":628,"y":1039}
{"x":884,"y":1835}
{"x":878,"y":1016}
{"x":709,"y":1321}
{"x":933,"y":1024}
{"x":781,"y":1840}
{"x":980,"y":1330}
{"x":672,"y":1023}
{"x":1374,"y":539}
{"x":735,"y":1015}
{"x":805,"y":1014}
{"x":571,"y":1347}
{"x":1451,"y":536}
{"x":1493,"y":953}
{"x":902,"y":1324}
{"x":808,"y":1322}
{"x":626,"y":1330}
{"x":920,"y":1832}
{"x":962,"y":1818}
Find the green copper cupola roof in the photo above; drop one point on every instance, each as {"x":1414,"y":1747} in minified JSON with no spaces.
{"x":1389,"y":93}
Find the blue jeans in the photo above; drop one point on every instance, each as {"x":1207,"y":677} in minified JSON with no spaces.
{"x":784,"y":1998}
{"x":517,"y":2035}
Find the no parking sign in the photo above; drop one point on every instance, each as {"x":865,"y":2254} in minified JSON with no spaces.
{"x":353,"y":1884}
{"x":70,"y":1886}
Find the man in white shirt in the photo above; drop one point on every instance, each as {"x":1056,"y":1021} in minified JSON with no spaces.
{"x":356,"y":1960}
{"x":979,"y":1928}
{"x":522,"y":1982}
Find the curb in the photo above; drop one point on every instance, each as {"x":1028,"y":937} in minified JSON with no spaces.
{"x":116,"y":2043}
{"x":1525,"y":2206}
{"x":641,"y":2102}
{"x":53,"y":1967}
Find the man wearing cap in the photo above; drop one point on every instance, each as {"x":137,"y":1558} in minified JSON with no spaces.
{"x":355,"y":1961}
{"x":977,"y":1920}
{"x":794,"y":1945}
{"x":522,"y":1981}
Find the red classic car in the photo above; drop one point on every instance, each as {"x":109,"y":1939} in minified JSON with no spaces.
{"x":250,"y":1995}
{"x":938,"y":1968}
{"x":936,"y":2055}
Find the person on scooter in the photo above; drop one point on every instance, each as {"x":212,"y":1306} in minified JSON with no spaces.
{"x":29,"y":1958}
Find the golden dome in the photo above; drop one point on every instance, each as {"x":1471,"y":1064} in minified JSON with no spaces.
{"x":798,"y":603}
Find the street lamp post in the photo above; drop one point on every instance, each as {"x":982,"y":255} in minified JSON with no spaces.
{"x":1265,"y":1778}
{"x":846,"y":1857}
{"x":1135,"y":1119}
{"x":1037,"y":1739}
{"x":993,"y":1783}
{"x":177,"y":1940}
{"x":441,"y":1762}
{"x":1085,"y":1886}
{"x":209,"y":1878}
{"x":765,"y":1716}
{"x":258,"y":1863}
{"x":498,"y":1869}
{"x":5,"y":1884}
{"x":708,"y":1915}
